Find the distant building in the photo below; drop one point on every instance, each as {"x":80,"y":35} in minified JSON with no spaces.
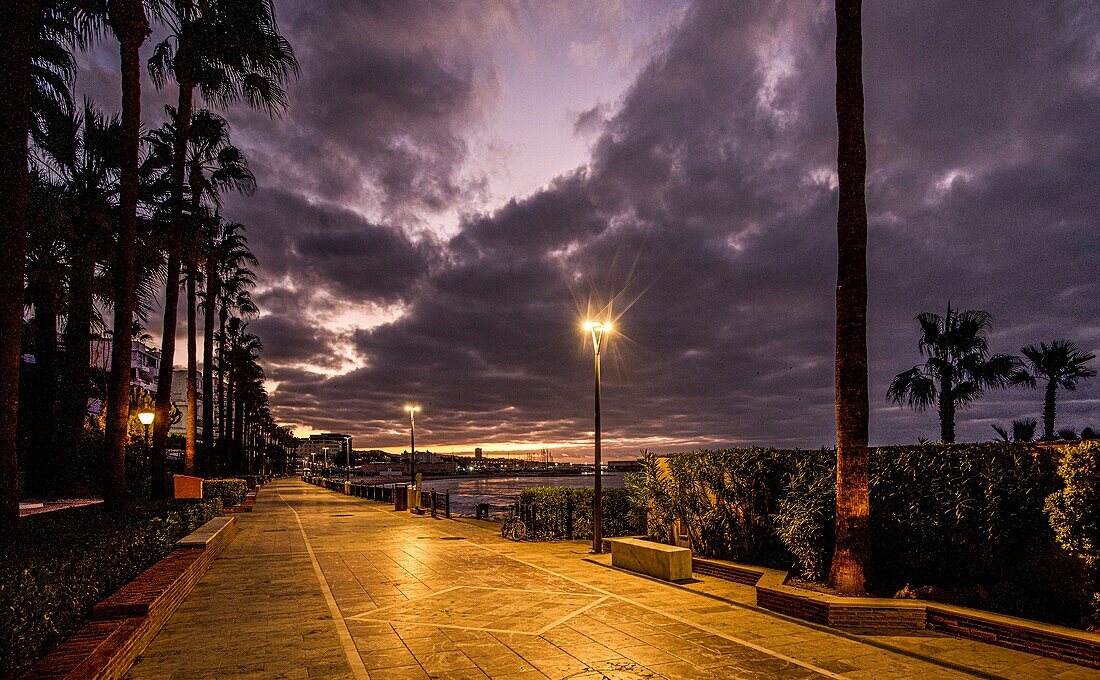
{"x":624,"y":465}
{"x":337,"y":447}
{"x":144,"y":361}
{"x":477,"y":453}
{"x":179,"y":400}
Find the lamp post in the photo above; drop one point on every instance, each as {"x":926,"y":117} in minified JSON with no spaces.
{"x":324,"y":472}
{"x":146,"y":419}
{"x":597,"y":329}
{"x":413,"y":410}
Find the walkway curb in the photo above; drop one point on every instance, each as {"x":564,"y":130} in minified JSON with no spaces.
{"x":772,"y":593}
{"x":122,"y":625}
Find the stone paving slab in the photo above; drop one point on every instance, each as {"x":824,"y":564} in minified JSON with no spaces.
{"x":321,"y":585}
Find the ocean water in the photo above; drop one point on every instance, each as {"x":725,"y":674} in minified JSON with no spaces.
{"x":501,"y":492}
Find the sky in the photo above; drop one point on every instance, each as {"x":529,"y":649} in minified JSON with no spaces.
{"x":456,"y":185}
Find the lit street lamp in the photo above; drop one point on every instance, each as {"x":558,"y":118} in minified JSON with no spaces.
{"x":413,"y":410}
{"x":324,"y":472}
{"x":597,"y":329}
{"x":146,"y":419}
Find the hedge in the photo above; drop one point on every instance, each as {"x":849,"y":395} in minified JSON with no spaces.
{"x":964,"y":523}
{"x":231,"y":491}
{"x":59,"y":565}
{"x":549,"y":507}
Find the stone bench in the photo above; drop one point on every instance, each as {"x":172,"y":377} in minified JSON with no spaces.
{"x":666,"y":562}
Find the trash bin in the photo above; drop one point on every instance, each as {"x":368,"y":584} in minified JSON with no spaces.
{"x":401,"y":500}
{"x":482,"y":511}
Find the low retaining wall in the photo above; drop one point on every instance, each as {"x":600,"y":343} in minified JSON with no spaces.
{"x":772,"y":593}
{"x":126,"y":622}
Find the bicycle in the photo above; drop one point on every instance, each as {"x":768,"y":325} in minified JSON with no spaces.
{"x":513,"y":528}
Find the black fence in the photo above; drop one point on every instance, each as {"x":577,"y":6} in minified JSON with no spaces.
{"x":438,"y":503}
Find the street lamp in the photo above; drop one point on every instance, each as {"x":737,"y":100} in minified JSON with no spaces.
{"x":413,"y":410}
{"x":146,"y":419}
{"x":324,"y":472}
{"x":597,"y":329}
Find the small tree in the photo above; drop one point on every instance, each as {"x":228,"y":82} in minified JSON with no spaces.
{"x":1060,"y":364}
{"x":1022,"y":431}
{"x":958,"y":369}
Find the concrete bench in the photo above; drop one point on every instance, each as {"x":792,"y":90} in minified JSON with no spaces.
{"x":666,"y":562}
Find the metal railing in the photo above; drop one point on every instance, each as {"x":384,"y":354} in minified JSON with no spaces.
{"x":438,"y":503}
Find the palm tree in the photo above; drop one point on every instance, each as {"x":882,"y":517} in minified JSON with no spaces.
{"x":45,"y":267}
{"x":33,"y":68}
{"x":234,"y":298}
{"x":1060,"y":364}
{"x":958,"y":369}
{"x":227,"y":259}
{"x":81,"y":153}
{"x":230,"y":50}
{"x":213,"y":165}
{"x":130,"y":26}
{"x":1022,"y":431}
{"x":852,"y":504}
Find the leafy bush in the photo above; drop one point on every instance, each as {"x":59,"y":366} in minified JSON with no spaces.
{"x":807,"y":513}
{"x":547,"y":510}
{"x":231,"y":491}
{"x":59,"y":565}
{"x":1075,"y":508}
{"x":966,"y":521}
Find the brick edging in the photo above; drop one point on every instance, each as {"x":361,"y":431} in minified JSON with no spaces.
{"x":772,"y":593}
{"x":122,"y":625}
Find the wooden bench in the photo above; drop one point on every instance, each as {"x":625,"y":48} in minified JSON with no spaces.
{"x":666,"y":562}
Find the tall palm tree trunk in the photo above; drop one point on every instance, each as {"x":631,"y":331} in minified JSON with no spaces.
{"x":44,"y":465}
{"x":192,"y":351}
{"x":207,"y":456}
{"x":73,"y":407}
{"x":192,"y":375}
{"x":171,"y":295}
{"x":130,"y":26}
{"x":1049,"y":409}
{"x":16,"y":31}
{"x":947,"y":408}
{"x":238,"y":433}
{"x":846,"y":574}
{"x":223,"y":402}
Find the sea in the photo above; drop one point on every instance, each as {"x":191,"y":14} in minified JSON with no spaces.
{"x":501,"y":492}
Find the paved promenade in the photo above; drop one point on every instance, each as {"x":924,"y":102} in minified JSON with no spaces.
{"x":320,"y":585}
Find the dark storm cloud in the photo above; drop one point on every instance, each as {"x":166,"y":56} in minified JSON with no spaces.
{"x":320,"y":247}
{"x":708,"y":211}
{"x":711,"y":194}
{"x":387,"y":91}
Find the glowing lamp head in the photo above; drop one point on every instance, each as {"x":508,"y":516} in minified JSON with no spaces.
{"x":412,"y":409}
{"x":146,"y":417}
{"x":598,"y":326}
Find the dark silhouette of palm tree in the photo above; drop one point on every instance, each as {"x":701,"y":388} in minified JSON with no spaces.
{"x":1060,"y":364}
{"x":852,"y":505}
{"x":227,"y":259}
{"x":35,"y":68}
{"x":81,"y":154}
{"x":213,"y":165}
{"x":230,"y":50}
{"x":130,"y":26}
{"x":958,"y":369}
{"x":1022,"y":431}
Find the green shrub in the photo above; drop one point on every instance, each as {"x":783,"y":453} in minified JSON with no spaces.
{"x":1074,"y":512}
{"x":231,"y":491}
{"x":807,"y":513}
{"x":966,"y":520}
{"x":59,"y":565}
{"x":1075,"y":508}
{"x":547,"y":510}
